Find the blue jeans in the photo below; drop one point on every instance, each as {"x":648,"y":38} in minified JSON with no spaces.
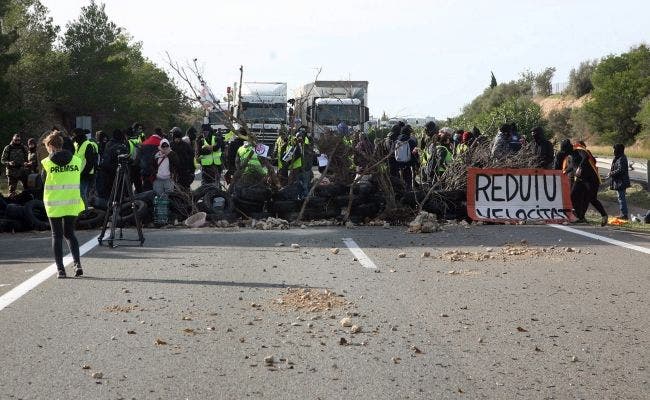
{"x":622,"y":202}
{"x":84,"y":187}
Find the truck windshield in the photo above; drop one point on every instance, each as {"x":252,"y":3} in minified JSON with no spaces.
{"x":332,"y":114}
{"x":217,"y":118}
{"x":268,"y":113}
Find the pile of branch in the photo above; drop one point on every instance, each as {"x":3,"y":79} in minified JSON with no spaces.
{"x":480,"y":156}
{"x":340,"y":163}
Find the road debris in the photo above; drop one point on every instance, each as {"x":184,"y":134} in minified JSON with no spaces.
{"x":346,"y":322}
{"x":355,"y":329}
{"x":122,"y":309}
{"x":97,"y":375}
{"x":312,"y":300}
{"x":159,"y":342}
{"x":424,"y":223}
{"x":334,"y":250}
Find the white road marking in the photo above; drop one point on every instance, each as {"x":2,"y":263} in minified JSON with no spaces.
{"x":359,"y":254}
{"x":602,"y":238}
{"x":24,"y":288}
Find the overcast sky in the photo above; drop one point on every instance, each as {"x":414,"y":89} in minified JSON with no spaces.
{"x":422,"y":58}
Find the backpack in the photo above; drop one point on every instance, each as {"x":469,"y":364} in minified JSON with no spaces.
{"x":402,"y":151}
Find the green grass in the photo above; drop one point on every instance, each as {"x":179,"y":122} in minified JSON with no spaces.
{"x":636,"y":196}
{"x":631,"y":152}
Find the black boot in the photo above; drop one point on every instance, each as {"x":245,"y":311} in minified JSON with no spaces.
{"x":61,"y":274}
{"x":77,"y":270}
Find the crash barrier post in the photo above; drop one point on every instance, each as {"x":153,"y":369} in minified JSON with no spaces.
{"x":518,"y":195}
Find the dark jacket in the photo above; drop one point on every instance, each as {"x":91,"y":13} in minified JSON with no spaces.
{"x":185,"y":156}
{"x":543,"y":149}
{"x":619,"y":173}
{"x":113,"y":148}
{"x":18,"y":154}
{"x":581,"y":161}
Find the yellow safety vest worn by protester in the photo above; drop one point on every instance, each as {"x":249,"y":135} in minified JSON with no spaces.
{"x":229,"y":137}
{"x":461,"y":148}
{"x":297,"y":162}
{"x":254,"y":165}
{"x":213,"y":158}
{"x":446,"y":160}
{"x":280,"y":148}
{"x":80,"y":151}
{"x":61,"y":194}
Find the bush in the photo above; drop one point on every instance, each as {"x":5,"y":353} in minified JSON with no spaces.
{"x":559,"y":123}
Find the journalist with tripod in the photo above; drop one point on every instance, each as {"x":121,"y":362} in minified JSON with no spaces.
{"x":62,"y":199}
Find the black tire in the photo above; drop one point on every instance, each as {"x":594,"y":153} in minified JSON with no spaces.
{"x":363,"y":188}
{"x":330,"y":190}
{"x":3,"y":203}
{"x":90,"y":219}
{"x":342,"y":201}
{"x":257,"y":193}
{"x":179,"y":205}
{"x":15,"y":211}
{"x":289,"y":192}
{"x":205,"y":204}
{"x":317,"y":203}
{"x":199,"y":192}
{"x":247,"y":207}
{"x":286,"y":206}
{"x":367,"y":210}
{"x":36,"y":216}
{"x":147,"y":197}
{"x":126,"y":214}
{"x":12,"y":225}
{"x":99,"y":203}
{"x":21,"y":198}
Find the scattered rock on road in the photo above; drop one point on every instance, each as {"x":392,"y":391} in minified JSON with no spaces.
{"x":97,"y":375}
{"x":346,"y":322}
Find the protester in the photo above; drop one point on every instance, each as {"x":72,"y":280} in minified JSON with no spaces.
{"x":249,"y":161}
{"x":620,"y":178}
{"x":148,"y":150}
{"x":32,"y":157}
{"x":278,"y":152}
{"x":587,"y":182}
{"x":516,"y":140}
{"x":86,"y":151}
{"x":500,"y":145}
{"x":463,"y":146}
{"x":426,"y":149}
{"x":443,"y":156}
{"x":15,"y":159}
{"x":389,"y":145}
{"x":232,"y":152}
{"x":185,"y":158}
{"x":62,"y":199}
{"x":136,"y":136}
{"x":403,"y":153}
{"x":166,"y":169}
{"x":108,"y":166}
{"x":542,"y":148}
{"x":211,"y":149}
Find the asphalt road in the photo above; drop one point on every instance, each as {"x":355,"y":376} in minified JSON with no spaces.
{"x":639,"y":173}
{"x":548,"y":323}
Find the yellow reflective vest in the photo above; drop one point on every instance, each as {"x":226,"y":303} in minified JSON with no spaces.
{"x":254,"y":165}
{"x":80,"y":151}
{"x":212,"y":158}
{"x":61,"y":194}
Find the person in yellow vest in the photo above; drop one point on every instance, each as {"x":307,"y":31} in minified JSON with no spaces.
{"x":136,"y":137}
{"x":443,"y":156}
{"x":294,"y":156}
{"x":254,"y":165}
{"x":278,"y":152}
{"x":86,"y":151}
{"x":463,"y":146}
{"x":211,"y":149}
{"x":62,"y":199}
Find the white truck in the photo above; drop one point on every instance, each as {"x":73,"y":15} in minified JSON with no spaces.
{"x":263,"y":106}
{"x":322,"y":105}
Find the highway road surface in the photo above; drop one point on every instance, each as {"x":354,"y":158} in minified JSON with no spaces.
{"x":475,"y":312}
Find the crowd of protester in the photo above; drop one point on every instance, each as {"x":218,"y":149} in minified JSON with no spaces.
{"x":164,"y":160}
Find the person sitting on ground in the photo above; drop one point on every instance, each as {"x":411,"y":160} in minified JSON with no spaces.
{"x":166,"y":169}
{"x":620,"y":178}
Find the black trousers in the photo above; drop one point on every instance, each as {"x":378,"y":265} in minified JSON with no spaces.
{"x":583,"y":194}
{"x":63,"y":227}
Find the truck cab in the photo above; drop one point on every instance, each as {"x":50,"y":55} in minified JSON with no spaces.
{"x":263,"y":106}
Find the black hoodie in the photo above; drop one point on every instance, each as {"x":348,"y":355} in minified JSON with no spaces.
{"x":60,"y":158}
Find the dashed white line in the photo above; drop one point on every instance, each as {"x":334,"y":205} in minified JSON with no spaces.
{"x":603,"y":239}
{"x":363,"y":259}
{"x":24,"y":288}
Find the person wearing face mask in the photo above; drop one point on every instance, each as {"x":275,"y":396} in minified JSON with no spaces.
{"x":166,"y":167}
{"x":32,"y":156}
{"x":15,"y":158}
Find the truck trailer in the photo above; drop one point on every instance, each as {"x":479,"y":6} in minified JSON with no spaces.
{"x":263,"y":106}
{"x":322,"y":105}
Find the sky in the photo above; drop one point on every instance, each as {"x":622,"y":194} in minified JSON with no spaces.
{"x":421,"y":58}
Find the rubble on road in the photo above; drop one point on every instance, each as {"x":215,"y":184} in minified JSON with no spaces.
{"x":424,"y":223}
{"x":311,"y":300}
{"x":271,"y":223}
{"x":508,"y":250}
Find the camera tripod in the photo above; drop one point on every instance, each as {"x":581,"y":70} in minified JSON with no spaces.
{"x":121,"y":184}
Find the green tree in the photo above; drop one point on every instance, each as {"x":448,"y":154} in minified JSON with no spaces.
{"x":643,"y":119}
{"x":8,"y":57}
{"x":559,"y":124}
{"x":580,"y":79}
{"x":493,"y":81}
{"x":620,"y":83}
